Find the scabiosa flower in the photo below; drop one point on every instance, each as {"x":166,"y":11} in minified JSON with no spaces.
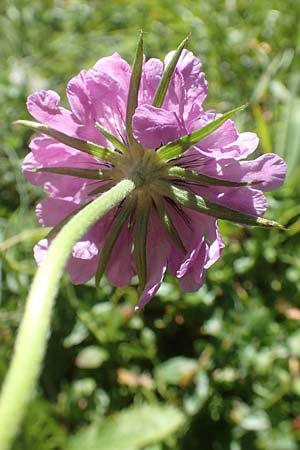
{"x":146,"y":124}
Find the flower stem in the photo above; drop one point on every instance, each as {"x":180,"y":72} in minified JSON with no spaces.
{"x":32,"y":337}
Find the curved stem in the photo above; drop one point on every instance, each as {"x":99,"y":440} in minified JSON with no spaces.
{"x":32,"y":337}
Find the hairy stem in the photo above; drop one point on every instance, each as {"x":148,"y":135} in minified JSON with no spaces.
{"x":32,"y":337}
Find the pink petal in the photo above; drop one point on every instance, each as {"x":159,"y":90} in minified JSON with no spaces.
{"x":44,"y":107}
{"x":152,"y":72}
{"x":225,"y":142}
{"x":100,"y":94}
{"x":175,"y":100}
{"x":189,"y":284}
{"x":71,"y":189}
{"x":78,"y":97}
{"x":51,"y":211}
{"x":157,"y":257}
{"x":267,"y":170}
{"x":245,"y":144}
{"x":244,"y":199}
{"x":117,"y":68}
{"x":107,"y":84}
{"x":84,"y":108}
{"x":154,"y":126}
{"x":193,"y":84}
{"x":196,"y":253}
{"x":155,"y":278}
{"x":47,"y":152}
{"x":82,"y":270}
{"x":109,"y":99}
{"x":215,"y":144}
{"x":28,"y":166}
{"x":200,"y":235}
{"x":85,"y":249}
{"x":213,"y":237}
{"x":40,"y":251}
{"x":120,"y":268}
{"x":84,"y":260}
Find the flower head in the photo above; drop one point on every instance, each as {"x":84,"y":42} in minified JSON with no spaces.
{"x":147,"y":124}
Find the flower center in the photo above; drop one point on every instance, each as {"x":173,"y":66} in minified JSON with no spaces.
{"x":143,"y":166}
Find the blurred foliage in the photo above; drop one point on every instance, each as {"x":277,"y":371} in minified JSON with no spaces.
{"x":216,"y":369}
{"x":131,"y":429}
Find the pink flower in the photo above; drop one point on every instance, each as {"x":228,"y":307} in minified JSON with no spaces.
{"x":170,"y":221}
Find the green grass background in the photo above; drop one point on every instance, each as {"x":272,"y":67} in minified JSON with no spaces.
{"x":215,"y":370}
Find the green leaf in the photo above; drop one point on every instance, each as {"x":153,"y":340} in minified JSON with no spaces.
{"x":122,"y":215}
{"x":84,"y":146}
{"x":89,"y":174}
{"x":132,"y":429}
{"x":256,"y":421}
{"x":142,"y":214}
{"x":78,"y":334}
{"x":197,"y":203}
{"x":41,"y":429}
{"x":112,"y":139}
{"x":167,"y":222}
{"x":163,"y":86}
{"x":91,"y":357}
{"x":178,"y":371}
{"x":134,"y":86}
{"x":179,"y":173}
{"x":177,"y":148}
{"x":195,"y":400}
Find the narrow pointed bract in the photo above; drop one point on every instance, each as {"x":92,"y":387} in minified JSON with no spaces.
{"x":132,"y":101}
{"x":88,"y":174}
{"x":163,"y":85}
{"x":84,"y":146}
{"x":199,"y":204}
{"x":189,"y":166}
{"x":186,"y":175}
{"x":178,"y":147}
{"x":167,"y":222}
{"x":140,"y":237}
{"x":112,"y":139}
{"x":112,"y":237}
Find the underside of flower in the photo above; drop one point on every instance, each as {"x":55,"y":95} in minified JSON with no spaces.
{"x":147,"y":125}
